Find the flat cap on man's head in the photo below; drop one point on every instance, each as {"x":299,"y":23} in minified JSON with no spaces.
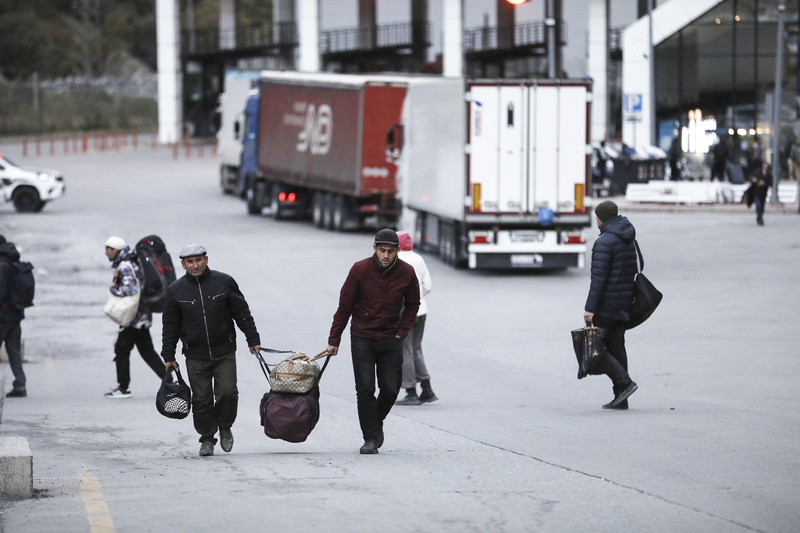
{"x":606,"y":210}
{"x":117,"y":243}
{"x":192,"y":249}
{"x":3,"y":239}
{"x":387,"y":236}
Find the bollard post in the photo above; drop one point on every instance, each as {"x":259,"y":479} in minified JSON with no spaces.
{"x":85,"y":143}
{"x":25,"y":147}
{"x":38,"y":146}
{"x":52,"y":146}
{"x":188,"y":145}
{"x":104,"y":138}
{"x":153,"y":140}
{"x":175,"y":150}
{"x":200,"y":147}
{"x":135,"y":139}
{"x":214,"y":146}
{"x":124,"y":139}
{"x":115,"y":140}
{"x":74,"y":144}
{"x":66,"y":144}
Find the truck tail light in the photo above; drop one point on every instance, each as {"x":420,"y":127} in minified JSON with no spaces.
{"x":575,"y":237}
{"x":292,"y":197}
{"x":481,"y":237}
{"x":282,"y":197}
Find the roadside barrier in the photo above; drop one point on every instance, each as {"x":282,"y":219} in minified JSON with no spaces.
{"x":115,"y":140}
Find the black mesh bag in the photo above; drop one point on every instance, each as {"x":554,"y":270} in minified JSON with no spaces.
{"x":174,"y":400}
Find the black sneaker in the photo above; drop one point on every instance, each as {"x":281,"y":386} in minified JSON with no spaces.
{"x":410,"y":399}
{"x":226,"y":439}
{"x":622,"y":399}
{"x":17,"y":393}
{"x":118,"y":393}
{"x":427,"y":396}
{"x":370,"y":447}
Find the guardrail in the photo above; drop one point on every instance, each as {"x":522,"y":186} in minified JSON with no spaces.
{"x":385,"y":36}
{"x":492,"y":37}
{"x":252,"y":36}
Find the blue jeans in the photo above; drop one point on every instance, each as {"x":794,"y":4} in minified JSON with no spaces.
{"x":384,"y":358}
{"x":759,"y":207}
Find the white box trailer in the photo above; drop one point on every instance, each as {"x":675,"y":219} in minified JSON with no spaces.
{"x":238,"y":84}
{"x":495,"y":174}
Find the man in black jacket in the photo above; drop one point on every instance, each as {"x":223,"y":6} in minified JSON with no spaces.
{"x":611,"y":294}
{"x":10,"y":319}
{"x":200,"y":309}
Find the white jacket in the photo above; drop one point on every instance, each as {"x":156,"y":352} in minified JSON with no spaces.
{"x":423,"y":276}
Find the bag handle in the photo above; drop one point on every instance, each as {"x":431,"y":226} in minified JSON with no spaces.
{"x":177,"y":373}
{"x":639,"y":256}
{"x":263,"y":364}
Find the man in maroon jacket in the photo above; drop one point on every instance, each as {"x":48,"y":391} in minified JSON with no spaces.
{"x":381,"y":293}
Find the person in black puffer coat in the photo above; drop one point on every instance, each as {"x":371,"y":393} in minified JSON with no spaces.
{"x":611,"y":293}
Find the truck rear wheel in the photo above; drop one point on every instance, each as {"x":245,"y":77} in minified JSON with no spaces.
{"x":327,"y":211}
{"x":317,"y":208}
{"x":343,"y":218}
{"x":27,"y":200}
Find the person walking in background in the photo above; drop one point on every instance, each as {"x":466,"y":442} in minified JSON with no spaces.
{"x":200,"y":310}
{"x":756,"y":156}
{"x":11,"y":318}
{"x":722,"y":154}
{"x":610,"y":298}
{"x":128,"y":281}
{"x":414,"y":369}
{"x":762,"y":181}
{"x":674,"y":155}
{"x":382,"y":295}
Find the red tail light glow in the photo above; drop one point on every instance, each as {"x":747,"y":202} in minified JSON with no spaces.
{"x":282,"y":197}
{"x":292,"y":197}
{"x":481,"y":237}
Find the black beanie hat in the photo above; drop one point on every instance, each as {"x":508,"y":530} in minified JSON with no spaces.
{"x":606,"y":210}
{"x":387,"y":236}
{"x":3,"y":240}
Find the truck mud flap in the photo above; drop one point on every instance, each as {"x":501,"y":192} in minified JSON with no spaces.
{"x":525,"y":260}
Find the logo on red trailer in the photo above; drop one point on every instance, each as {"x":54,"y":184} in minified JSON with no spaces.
{"x":316,"y":135}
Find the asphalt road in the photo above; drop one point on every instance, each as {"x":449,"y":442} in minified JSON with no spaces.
{"x":516,"y":443}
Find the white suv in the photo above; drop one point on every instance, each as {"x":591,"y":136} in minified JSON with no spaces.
{"x":29,"y":188}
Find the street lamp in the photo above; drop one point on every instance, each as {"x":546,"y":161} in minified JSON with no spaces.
{"x":776,"y":113}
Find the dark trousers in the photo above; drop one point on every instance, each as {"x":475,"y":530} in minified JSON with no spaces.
{"x":718,"y":172}
{"x":11,"y":336}
{"x":383,"y":358}
{"x":617,"y":362}
{"x":759,"y":201}
{"x":414,"y":369}
{"x":215,"y":397}
{"x":126,"y":340}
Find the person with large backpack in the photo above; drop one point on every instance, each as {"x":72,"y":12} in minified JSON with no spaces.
{"x":130,"y":281}
{"x":16,"y":293}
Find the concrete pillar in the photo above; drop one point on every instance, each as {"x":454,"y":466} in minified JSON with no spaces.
{"x":227,"y":24}
{"x":598,"y":66}
{"x":308,"y":33}
{"x":169,"y":71}
{"x":419,"y":33}
{"x":284,"y":30}
{"x":367,"y":24}
{"x":505,"y":24}
{"x":453,"y":35}
{"x":16,"y":467}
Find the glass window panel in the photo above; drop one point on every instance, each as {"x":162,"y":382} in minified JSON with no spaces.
{"x":745,"y":73}
{"x":723,"y":12}
{"x":667,"y":72}
{"x":745,"y":39}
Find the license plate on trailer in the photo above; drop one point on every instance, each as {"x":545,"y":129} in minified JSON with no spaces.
{"x":523,"y":237}
{"x":526,"y":260}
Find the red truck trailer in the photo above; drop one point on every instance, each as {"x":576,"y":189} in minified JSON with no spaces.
{"x":322,"y":148}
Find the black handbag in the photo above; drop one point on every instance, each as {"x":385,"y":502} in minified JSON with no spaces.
{"x":174,"y":399}
{"x":645,"y":295}
{"x":590,"y":350}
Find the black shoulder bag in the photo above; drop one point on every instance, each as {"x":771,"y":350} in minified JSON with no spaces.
{"x":645,"y":295}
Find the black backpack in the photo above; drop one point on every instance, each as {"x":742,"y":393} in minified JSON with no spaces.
{"x":21,"y":285}
{"x":156,"y":266}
